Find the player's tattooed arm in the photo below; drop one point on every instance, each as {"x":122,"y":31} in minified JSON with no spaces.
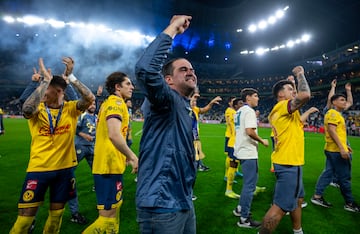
{"x":30,"y":107}
{"x":87,"y":97}
{"x":303,"y":90}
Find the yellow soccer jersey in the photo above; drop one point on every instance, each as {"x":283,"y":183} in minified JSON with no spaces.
{"x":288,"y":135}
{"x":56,"y":151}
{"x":230,"y":126}
{"x":334,"y":117}
{"x":196,"y":111}
{"x":107,"y":159}
{"x":1,"y":112}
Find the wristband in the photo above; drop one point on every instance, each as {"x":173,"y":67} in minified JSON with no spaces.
{"x":72,"y":78}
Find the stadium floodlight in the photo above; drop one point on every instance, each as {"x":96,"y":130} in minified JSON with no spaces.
{"x":305,"y":37}
{"x":260,"y":51}
{"x":271,"y":20}
{"x":252,"y":28}
{"x":244,"y":52}
{"x":56,"y":23}
{"x":31,"y":20}
{"x":262,"y":24}
{"x":251,"y":52}
{"x":9,"y":19}
{"x":290,"y":43}
{"x":239,"y":30}
{"x":76,"y":24}
{"x":279,"y":14}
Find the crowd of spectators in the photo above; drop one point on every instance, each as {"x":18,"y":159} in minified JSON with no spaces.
{"x":342,"y":64}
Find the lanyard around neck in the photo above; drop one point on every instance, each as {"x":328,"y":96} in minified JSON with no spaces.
{"x":52,"y":127}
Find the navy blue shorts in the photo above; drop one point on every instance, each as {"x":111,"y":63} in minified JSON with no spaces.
{"x":231,"y":154}
{"x":289,"y":186}
{"x":108,"y":191}
{"x":60,"y":182}
{"x":226,"y":144}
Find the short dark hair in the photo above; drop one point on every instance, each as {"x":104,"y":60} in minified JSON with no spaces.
{"x":336,"y":96}
{"x":231,"y":98}
{"x":59,"y":82}
{"x":236,"y":101}
{"x":278,"y":86}
{"x":247,"y":92}
{"x":113,"y":79}
{"x":168,"y":68}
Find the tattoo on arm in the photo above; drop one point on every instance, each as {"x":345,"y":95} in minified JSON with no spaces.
{"x":303,"y":93}
{"x":303,"y":85}
{"x":87,"y":97}
{"x":32,"y":102}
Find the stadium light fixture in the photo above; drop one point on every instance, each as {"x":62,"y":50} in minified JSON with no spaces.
{"x":92,"y":30}
{"x":289,"y":44}
{"x":56,"y":23}
{"x":9,"y":19}
{"x":272,"y":19}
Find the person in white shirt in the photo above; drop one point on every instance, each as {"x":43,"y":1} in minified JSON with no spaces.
{"x":246,"y":150}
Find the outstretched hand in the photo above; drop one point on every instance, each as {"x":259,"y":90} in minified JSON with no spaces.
{"x":36,"y":76}
{"x":216,"y":100}
{"x":43,"y":70}
{"x":69,"y":65}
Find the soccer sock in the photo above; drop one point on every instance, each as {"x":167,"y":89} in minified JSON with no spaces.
{"x":299,"y":231}
{"x":22,"y":224}
{"x":53,"y":222}
{"x":118,"y":213}
{"x":103,"y":225}
{"x":227,"y":165}
{"x":230,"y":178}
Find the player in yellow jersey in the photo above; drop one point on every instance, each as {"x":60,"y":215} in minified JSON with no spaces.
{"x":231,"y":161}
{"x":52,"y":123}
{"x":112,"y":154}
{"x":288,"y":156}
{"x":196,"y":111}
{"x":2,"y":128}
{"x":338,"y":156}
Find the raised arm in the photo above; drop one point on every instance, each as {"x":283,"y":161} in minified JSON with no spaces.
{"x":349,"y":97}
{"x":178,"y":24}
{"x":86,"y":96}
{"x":206,"y":108}
{"x":303,"y":91}
{"x":331,"y":93}
{"x":30,"y":106}
{"x":306,"y":114}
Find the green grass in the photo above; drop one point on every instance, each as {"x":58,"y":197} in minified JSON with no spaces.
{"x":213,"y":209}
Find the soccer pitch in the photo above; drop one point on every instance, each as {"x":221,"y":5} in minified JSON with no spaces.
{"x":213,"y":209}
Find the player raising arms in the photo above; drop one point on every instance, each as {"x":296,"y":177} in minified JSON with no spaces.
{"x":52,"y":123}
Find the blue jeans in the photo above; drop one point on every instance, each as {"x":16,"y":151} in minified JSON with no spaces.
{"x":249,"y":169}
{"x":335,"y":164}
{"x":179,"y":222}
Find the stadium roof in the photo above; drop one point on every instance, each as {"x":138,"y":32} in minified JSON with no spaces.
{"x":213,"y":37}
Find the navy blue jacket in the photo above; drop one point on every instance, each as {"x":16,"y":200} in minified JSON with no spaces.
{"x":166,"y":171}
